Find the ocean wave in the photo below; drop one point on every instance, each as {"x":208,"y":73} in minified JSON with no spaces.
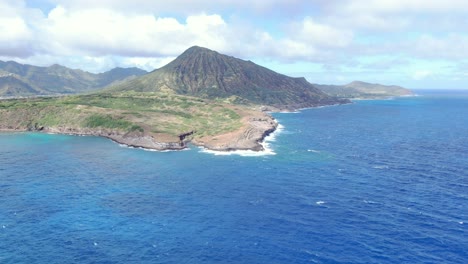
{"x":288,"y":112}
{"x":267,"y":149}
{"x":380,"y":167}
{"x":272,"y":136}
{"x":244,"y":153}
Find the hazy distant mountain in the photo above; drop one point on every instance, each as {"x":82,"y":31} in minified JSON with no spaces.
{"x":358,"y":89}
{"x":118,"y":74}
{"x":208,"y":74}
{"x":13,"y":86}
{"x":24,"y":80}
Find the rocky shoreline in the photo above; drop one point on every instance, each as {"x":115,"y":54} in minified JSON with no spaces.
{"x":249,"y":137}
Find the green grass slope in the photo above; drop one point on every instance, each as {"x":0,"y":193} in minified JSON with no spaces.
{"x":151,"y":113}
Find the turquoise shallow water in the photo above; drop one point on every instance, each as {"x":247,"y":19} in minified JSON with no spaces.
{"x":371,"y":182}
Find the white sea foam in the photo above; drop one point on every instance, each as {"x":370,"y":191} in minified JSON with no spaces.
{"x":245,"y":153}
{"x":380,"y":167}
{"x":320,"y":202}
{"x":289,"y":112}
{"x":313,"y":150}
{"x":272,"y":136}
{"x":267,"y":150}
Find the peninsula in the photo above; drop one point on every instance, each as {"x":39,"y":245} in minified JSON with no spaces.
{"x":149,"y":120}
{"x":364,"y":90}
{"x":202,"y":97}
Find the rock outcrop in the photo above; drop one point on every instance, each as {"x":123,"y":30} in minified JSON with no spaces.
{"x":249,"y":137}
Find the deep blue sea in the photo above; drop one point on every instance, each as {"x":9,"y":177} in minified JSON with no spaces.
{"x":378,"y":181}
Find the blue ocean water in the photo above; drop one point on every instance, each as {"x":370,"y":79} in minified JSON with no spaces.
{"x":381,"y":181}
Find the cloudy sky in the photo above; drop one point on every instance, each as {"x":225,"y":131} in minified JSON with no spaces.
{"x":413,"y":43}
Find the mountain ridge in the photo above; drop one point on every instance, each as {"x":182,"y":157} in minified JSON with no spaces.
{"x":55,"y":79}
{"x":363,"y":90}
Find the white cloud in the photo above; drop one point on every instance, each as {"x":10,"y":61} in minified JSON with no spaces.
{"x":405,"y":6}
{"x":183,"y":6}
{"x":97,"y":35}
{"x":14,"y":37}
{"x":15,"y":34}
{"x":421,"y":74}
{"x":452,"y":46}
{"x":107,"y":32}
{"x":321,"y":35}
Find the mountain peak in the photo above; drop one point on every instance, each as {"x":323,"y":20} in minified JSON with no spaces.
{"x":198,"y":51}
{"x":206,"y":73}
{"x":357,"y":83}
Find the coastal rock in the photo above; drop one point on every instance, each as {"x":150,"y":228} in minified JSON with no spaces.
{"x":249,"y":137}
{"x":132,"y":139}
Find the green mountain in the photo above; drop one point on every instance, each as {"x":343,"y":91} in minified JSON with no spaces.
{"x":25,"y":80}
{"x":13,"y":86}
{"x":358,"y":89}
{"x":208,"y":74}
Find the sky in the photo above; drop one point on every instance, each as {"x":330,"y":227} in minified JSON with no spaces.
{"x":418,"y":44}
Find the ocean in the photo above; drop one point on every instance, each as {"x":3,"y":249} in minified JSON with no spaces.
{"x":376,"y":181}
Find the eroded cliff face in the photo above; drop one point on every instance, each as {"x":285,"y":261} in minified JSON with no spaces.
{"x":131,"y":139}
{"x":250,"y":137}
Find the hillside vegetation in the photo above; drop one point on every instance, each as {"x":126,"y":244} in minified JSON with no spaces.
{"x":151,"y":113}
